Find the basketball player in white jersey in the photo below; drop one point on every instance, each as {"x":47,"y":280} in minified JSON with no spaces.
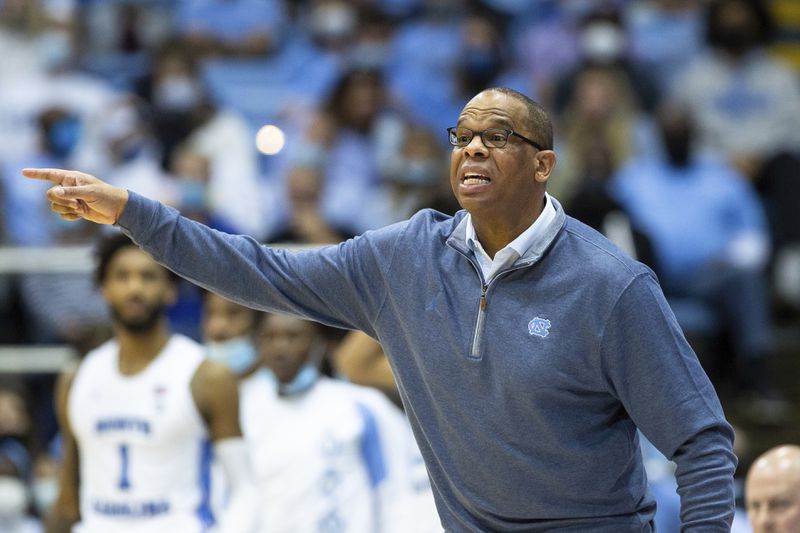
{"x":142,"y":416}
{"x":328,"y":456}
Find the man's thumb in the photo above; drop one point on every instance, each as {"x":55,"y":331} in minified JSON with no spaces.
{"x":75,"y":192}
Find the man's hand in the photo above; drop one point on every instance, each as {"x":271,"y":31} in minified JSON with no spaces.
{"x":77,"y":195}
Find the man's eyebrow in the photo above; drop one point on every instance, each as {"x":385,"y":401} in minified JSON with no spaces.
{"x":500,"y":123}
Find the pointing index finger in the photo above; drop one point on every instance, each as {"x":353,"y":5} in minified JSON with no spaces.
{"x":54,"y":175}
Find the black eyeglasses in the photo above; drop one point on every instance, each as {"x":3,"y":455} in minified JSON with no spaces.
{"x":492,"y":138}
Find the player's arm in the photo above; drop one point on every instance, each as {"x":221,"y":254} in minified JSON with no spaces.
{"x":361,"y":360}
{"x":216,"y":394}
{"x":66,"y":510}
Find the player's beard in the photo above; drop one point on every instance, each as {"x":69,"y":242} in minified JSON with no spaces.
{"x":141,"y":324}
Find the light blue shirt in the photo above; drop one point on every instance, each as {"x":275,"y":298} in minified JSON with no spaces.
{"x":516,"y":248}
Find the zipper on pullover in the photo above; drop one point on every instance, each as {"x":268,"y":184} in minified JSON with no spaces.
{"x":477,"y":338}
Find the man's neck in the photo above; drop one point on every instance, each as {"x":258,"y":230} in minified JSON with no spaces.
{"x":496,"y":233}
{"x":138,"y":349}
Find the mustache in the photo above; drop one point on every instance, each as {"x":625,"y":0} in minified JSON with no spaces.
{"x":140,"y":324}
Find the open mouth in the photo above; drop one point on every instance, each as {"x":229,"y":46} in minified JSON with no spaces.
{"x":472,"y":178}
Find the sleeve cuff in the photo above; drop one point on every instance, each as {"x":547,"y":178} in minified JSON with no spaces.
{"x":136,"y":219}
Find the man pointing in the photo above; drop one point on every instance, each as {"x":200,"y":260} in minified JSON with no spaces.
{"x":527,"y":348}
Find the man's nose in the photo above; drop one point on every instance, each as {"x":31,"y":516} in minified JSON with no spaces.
{"x":476,"y":148}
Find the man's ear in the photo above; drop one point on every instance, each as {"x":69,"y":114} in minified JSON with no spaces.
{"x":545,"y":162}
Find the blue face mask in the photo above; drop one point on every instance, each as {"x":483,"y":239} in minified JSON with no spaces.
{"x":192,"y":194}
{"x":237,"y":354}
{"x":303,"y":381}
{"x":63,"y":137}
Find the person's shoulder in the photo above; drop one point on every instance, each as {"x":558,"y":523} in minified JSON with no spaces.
{"x":213,"y":379}
{"x":424,"y":223}
{"x":181,"y":342}
{"x":106,"y":350}
{"x":349,"y":389}
{"x":598,"y":256}
{"x":183,"y":350}
{"x":436,"y":222}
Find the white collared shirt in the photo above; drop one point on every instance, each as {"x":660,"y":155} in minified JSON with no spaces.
{"x":513,"y":250}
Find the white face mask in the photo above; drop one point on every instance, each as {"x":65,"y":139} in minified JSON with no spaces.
{"x":603,"y":42}
{"x":44,"y":492}
{"x":177,"y":93}
{"x":333,"y":21}
{"x":13,"y":498}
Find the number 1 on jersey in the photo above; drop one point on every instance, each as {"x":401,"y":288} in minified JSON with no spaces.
{"x":124,"y":482}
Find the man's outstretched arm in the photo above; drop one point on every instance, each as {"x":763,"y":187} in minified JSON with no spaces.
{"x":343,"y":286}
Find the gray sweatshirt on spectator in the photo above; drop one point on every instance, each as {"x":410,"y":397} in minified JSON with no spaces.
{"x":524,"y":394}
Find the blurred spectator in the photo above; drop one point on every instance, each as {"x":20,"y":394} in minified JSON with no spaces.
{"x":428,"y":48}
{"x":333,"y":455}
{"x":117,"y":36}
{"x":481,"y":59}
{"x":36,"y":34}
{"x":307,"y":224}
{"x":709,"y":236}
{"x":15,"y":469}
{"x":227,"y":334}
{"x":37,"y":72}
{"x":372,"y":41}
{"x":747,"y":106}
{"x":332,"y":24}
{"x":547,"y":46}
{"x":184,"y":114}
{"x":59,"y":132}
{"x":132,"y":151}
{"x":57,"y":307}
{"x":665,"y":35}
{"x":190,"y":174}
{"x":231,"y":28}
{"x":593,"y":204}
{"x":361,"y":135}
{"x":773,"y":491}
{"x":602,"y":110}
{"x":413,"y":180}
{"x":602,"y":41}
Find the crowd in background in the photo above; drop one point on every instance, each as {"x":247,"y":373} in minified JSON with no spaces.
{"x":677,"y":132}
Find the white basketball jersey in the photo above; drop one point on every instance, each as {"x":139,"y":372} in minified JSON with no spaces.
{"x":317,"y":457}
{"x":338,"y":458}
{"x":143,"y":447}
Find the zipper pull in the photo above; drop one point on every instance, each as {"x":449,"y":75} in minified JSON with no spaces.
{"x":483,"y":298}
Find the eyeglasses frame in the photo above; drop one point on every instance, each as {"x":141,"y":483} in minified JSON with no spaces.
{"x":451,"y":135}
